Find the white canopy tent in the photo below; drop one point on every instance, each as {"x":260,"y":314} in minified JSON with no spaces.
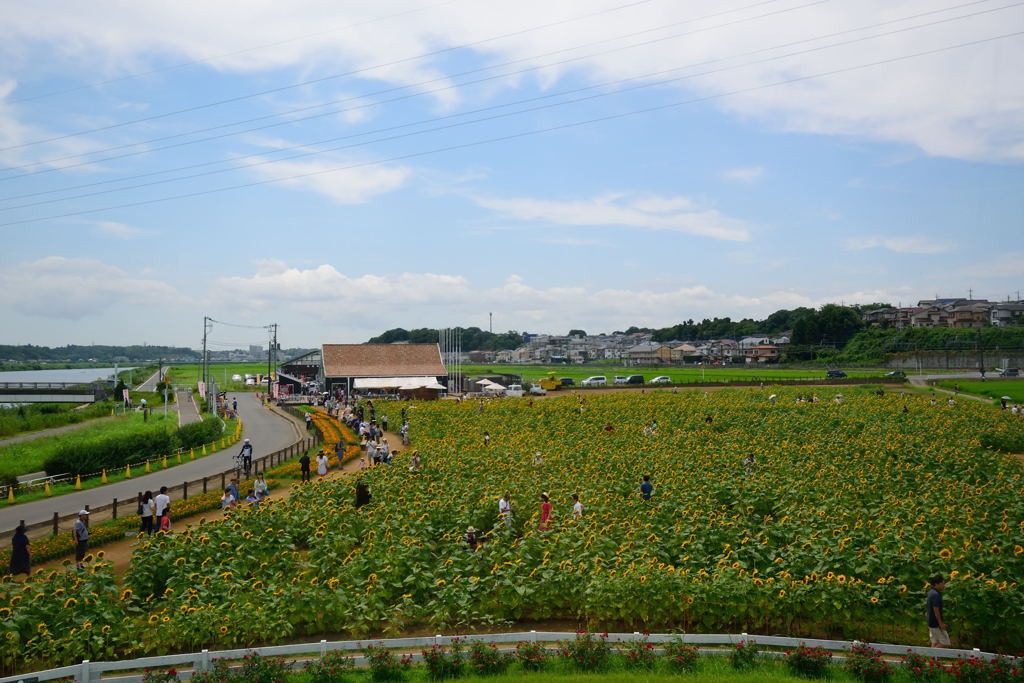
{"x":408,"y":383}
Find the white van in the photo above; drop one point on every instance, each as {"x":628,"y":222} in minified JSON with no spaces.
{"x":595,"y":381}
{"x":514,"y":390}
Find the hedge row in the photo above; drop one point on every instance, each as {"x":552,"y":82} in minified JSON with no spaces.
{"x":117,"y":450}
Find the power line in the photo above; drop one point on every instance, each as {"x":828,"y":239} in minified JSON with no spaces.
{"x":513,"y":136}
{"x":396,"y":99}
{"x":385,"y":91}
{"x":214,"y":58}
{"x":641,"y":85}
{"x":322,"y":79}
{"x":251,"y":327}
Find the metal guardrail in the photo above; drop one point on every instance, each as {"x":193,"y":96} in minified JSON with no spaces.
{"x":195,"y":662}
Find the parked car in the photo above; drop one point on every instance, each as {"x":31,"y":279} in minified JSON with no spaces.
{"x":635,"y":379}
{"x":567,"y":381}
{"x":662,"y":379}
{"x":595,"y":381}
{"x":236,"y":378}
{"x":251,"y":382}
{"x":619,"y":379}
{"x":835,"y":374}
{"x":1010,"y":372}
{"x":896,"y":373}
{"x":514,"y":390}
{"x":537,"y":390}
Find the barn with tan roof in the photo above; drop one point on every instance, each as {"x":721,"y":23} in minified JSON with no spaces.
{"x":398,"y":368}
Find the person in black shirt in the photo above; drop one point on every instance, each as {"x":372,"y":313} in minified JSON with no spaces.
{"x":936,"y":619}
{"x":363,"y":494}
{"x":304,"y":466}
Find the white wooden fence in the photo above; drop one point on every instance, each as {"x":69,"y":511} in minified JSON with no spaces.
{"x":187,"y":664}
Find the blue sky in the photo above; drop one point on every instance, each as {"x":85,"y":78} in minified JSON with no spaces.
{"x":161,"y":161}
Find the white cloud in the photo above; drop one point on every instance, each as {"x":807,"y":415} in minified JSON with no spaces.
{"x":1010,"y":264}
{"x":743,"y":174}
{"x":16,"y":135}
{"x":77,"y":288}
{"x":375,"y":302}
{"x":961,"y":103}
{"x":902,"y":245}
{"x":344,"y":185}
{"x":119,"y":230}
{"x":621,"y":210}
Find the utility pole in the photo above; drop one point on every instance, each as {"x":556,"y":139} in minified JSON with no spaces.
{"x":271,"y":357}
{"x":206,"y":329}
{"x":490,"y":324}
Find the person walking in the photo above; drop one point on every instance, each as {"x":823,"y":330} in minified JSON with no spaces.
{"x":339,"y":452}
{"x":20,"y":558}
{"x":80,"y":533}
{"x":470,"y":539}
{"x":321,"y":464}
{"x":309,"y":422}
{"x":146,"y":509}
{"x":646,"y":487}
{"x":304,"y":466}
{"x":414,"y":462}
{"x":545,"y":512}
{"x":162,"y":507}
{"x":577,"y":507}
{"x":937,"y":633}
{"x":505,"y":509}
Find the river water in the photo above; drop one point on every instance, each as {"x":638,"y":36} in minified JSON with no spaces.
{"x":59,"y":375}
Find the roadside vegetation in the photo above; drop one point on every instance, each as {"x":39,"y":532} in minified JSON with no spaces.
{"x":994,"y":389}
{"x":31,"y":417}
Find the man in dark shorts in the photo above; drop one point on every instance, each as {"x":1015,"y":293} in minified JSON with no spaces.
{"x":81,"y":535}
{"x":304,"y":466}
{"x":936,"y":619}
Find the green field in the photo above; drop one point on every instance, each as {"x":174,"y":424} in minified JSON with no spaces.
{"x":677,"y":375}
{"x":995,"y":389}
{"x":29,"y":456}
{"x":221,"y":374}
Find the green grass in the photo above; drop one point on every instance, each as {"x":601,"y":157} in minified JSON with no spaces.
{"x":1012,"y":388}
{"x":221,"y":373}
{"x":689,"y":374}
{"x":29,"y":456}
{"x":36,"y":416}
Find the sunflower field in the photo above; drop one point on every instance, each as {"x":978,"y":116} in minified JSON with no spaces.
{"x":831,"y":528}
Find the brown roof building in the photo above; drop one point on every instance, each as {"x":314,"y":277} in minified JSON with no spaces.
{"x":382,"y":360}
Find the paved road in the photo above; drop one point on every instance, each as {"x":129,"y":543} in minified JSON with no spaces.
{"x":269,"y":431}
{"x":922,"y":380}
{"x":150,"y":384}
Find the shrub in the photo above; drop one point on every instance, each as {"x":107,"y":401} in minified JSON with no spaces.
{"x":866,"y":664}
{"x":221,"y":672}
{"x":531,"y":656}
{"x":682,"y":658}
{"x":160,"y":676}
{"x":259,"y":669}
{"x":333,"y":667}
{"x":441,"y":663}
{"x":589,"y":652}
{"x":195,"y":434}
{"x":744,"y":654}
{"x":639,"y":654}
{"x":977,"y":670}
{"x":384,"y":666}
{"x":920,"y":668}
{"x":811,"y":662}
{"x":486,"y":659}
{"x":110,"y":452}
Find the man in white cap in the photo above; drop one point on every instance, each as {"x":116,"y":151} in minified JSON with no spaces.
{"x":81,"y":535}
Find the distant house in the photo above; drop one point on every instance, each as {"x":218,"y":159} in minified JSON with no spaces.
{"x":763,"y":353}
{"x":1003,"y":315}
{"x":649,"y":353}
{"x":969,"y":315}
{"x":684,"y":352}
{"x":748,"y":343}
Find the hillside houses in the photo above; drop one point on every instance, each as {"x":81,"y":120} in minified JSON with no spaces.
{"x":953,"y":313}
{"x":636,"y":350}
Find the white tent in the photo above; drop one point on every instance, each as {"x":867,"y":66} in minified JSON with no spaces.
{"x":494,"y":387}
{"x":393,"y":382}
